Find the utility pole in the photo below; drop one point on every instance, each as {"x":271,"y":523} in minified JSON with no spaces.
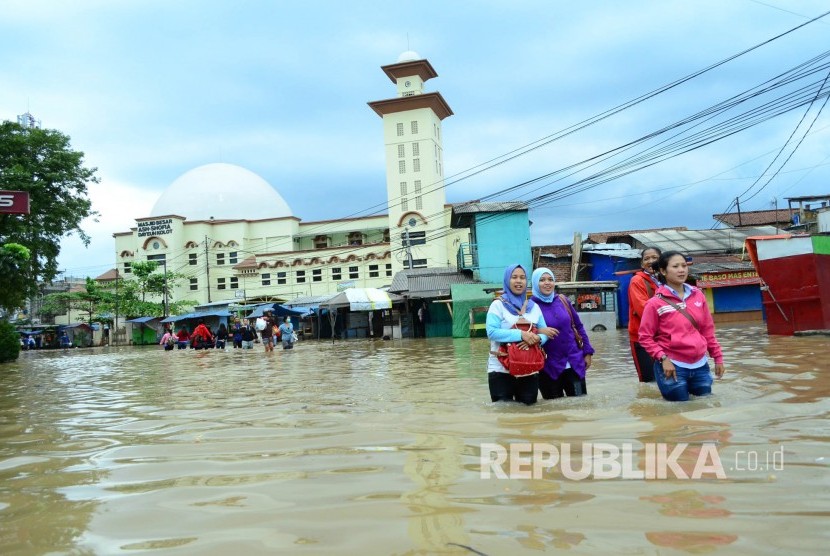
{"x":68,"y":301}
{"x":114,"y":330}
{"x":166,"y":303}
{"x":207,"y":268}
{"x":408,"y":249}
{"x":738,"y":203}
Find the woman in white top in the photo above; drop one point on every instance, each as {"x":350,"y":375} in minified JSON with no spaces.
{"x":502,"y":315}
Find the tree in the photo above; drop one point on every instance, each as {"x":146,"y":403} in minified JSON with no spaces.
{"x":13,"y":261}
{"x":42,"y":162}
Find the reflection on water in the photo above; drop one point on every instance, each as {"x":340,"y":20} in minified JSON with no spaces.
{"x":372,"y":447}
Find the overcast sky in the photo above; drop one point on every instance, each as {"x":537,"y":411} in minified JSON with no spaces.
{"x":151,"y":89}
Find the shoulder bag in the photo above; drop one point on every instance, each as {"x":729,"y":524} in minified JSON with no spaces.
{"x":577,"y":336}
{"x":522,"y":362}
{"x":680,"y":310}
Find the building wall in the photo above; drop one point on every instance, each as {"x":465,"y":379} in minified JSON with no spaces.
{"x":282,"y":274}
{"x":502,"y":239}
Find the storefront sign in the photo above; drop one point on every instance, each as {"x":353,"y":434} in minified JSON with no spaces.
{"x":732,"y":278}
{"x":155,"y":227}
{"x":14,"y":202}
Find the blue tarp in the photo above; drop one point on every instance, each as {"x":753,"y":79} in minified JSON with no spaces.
{"x":142,"y":320}
{"x":31,"y":332}
{"x":276,"y":309}
{"x":197,"y":315}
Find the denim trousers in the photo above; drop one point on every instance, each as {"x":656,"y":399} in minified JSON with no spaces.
{"x":697,"y":381}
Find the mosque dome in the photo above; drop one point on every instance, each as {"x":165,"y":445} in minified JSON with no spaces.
{"x":221,"y":191}
{"x":409,"y":56}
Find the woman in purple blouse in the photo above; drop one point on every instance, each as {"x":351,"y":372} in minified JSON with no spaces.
{"x":566,"y":363}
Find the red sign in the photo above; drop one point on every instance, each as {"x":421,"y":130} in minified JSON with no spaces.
{"x":14,"y":202}
{"x":730,"y":278}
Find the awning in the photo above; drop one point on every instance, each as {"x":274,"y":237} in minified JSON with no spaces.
{"x":362,"y":299}
{"x":30,"y":332}
{"x":197,"y":315}
{"x":141,"y":320}
{"x":276,"y":309}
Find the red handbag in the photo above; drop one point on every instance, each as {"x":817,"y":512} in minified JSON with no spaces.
{"x":522,"y":362}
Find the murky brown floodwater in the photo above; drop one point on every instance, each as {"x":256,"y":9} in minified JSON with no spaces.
{"x":372,"y":447}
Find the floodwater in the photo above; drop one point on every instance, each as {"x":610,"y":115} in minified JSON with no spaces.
{"x":374,"y":447}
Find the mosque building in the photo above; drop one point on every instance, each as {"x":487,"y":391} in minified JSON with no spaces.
{"x":228,"y":247}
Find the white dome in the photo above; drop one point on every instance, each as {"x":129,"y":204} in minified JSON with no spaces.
{"x":222,"y":191}
{"x":409,"y":56}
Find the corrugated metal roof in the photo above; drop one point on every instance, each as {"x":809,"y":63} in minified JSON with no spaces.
{"x":701,"y":241}
{"x":698,"y":269}
{"x":427,"y":282}
{"x":504,"y":206}
{"x":309,"y":300}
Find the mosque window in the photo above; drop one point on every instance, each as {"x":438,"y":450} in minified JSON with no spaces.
{"x":234,"y":283}
{"x":404,"y":204}
{"x":336,"y":273}
{"x":402,"y":166}
{"x":419,"y":263}
{"x":386,"y":235}
{"x":192,"y":258}
{"x":389,"y":269}
{"x":156,"y":245}
{"x":317,"y":275}
{"x":416,"y":165}
{"x":416,"y":151}
{"x":266,"y":279}
{"x":400,"y":130}
{"x":403,"y":188}
{"x":373,"y":271}
{"x":281,"y":277}
{"x":194,"y":284}
{"x":127,"y":268}
{"x":417,"y":187}
{"x":233,"y":257}
{"x":301,"y":276}
{"x":355,"y":238}
{"x":220,"y":258}
{"x":220,"y":284}
{"x":419,"y":204}
{"x":414,"y":126}
{"x":354,"y":272}
{"x":401,"y":151}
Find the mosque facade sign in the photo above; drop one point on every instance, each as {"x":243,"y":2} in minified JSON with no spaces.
{"x":155,"y":227}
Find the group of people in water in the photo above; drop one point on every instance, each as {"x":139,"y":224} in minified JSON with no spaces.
{"x":671,"y":331}
{"x":243,"y":333}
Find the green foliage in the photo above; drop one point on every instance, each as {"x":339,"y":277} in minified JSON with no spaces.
{"x":13,"y":261}
{"x":9,"y":342}
{"x":42,"y":162}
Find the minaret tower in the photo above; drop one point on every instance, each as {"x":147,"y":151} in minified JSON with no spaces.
{"x":414,"y":165}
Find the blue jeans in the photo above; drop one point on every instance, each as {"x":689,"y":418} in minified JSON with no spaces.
{"x":697,"y":381}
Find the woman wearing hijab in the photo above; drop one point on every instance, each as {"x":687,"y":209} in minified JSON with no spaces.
{"x":567,"y":361}
{"x":503,"y":313}
{"x":640,"y":290}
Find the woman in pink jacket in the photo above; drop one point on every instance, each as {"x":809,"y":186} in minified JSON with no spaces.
{"x":677,"y":330}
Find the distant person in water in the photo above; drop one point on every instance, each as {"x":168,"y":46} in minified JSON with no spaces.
{"x":642,"y":288}
{"x":503,"y":313}
{"x":677,"y":330}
